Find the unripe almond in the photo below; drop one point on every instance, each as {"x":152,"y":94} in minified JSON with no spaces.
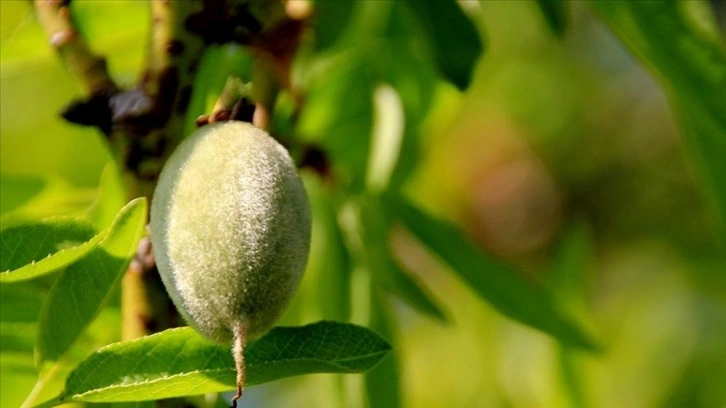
{"x":230,"y":226}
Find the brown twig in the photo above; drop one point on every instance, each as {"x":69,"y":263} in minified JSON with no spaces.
{"x":234,"y":103}
{"x":55,"y":17}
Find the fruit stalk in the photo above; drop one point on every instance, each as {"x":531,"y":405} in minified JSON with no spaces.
{"x":238,"y":347}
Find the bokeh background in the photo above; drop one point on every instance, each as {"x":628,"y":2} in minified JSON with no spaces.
{"x":561,"y":152}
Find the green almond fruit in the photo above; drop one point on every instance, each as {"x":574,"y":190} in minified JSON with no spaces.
{"x":230,"y":227}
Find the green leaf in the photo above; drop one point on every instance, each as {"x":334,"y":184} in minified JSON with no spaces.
{"x":78,"y":294}
{"x":344,"y":132}
{"x":691,"y":63}
{"x":29,"y":250}
{"x":20,"y":306}
{"x":180,"y":362}
{"x":383,"y":382}
{"x":331,"y":18}
{"x":328,"y":269}
{"x":417,"y":90}
{"x":18,"y":190}
{"x":492,"y":280}
{"x":374,"y":230}
{"x":33,"y":197}
{"x":555,"y":14}
{"x":455,"y":42}
{"x":111,"y":197}
{"x":568,"y":282}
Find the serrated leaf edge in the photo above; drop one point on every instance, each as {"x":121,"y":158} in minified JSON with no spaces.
{"x":64,"y":398}
{"x":93,"y":240}
{"x":81,"y":396}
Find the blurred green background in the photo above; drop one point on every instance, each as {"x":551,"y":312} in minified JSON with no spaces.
{"x":562,"y":155}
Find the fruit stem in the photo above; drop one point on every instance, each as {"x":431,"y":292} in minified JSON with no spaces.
{"x":240,"y":338}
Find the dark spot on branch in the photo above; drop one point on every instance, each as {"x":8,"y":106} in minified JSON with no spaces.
{"x":134,"y":157}
{"x":315,"y":158}
{"x":168,"y":83}
{"x":62,"y":38}
{"x":193,"y":65}
{"x":221,"y":115}
{"x":150,"y":324}
{"x":243,"y":110}
{"x":93,"y":111}
{"x":202,"y":120}
{"x":185,"y":95}
{"x":246,"y":19}
{"x":175,"y":47}
{"x":219,"y":22}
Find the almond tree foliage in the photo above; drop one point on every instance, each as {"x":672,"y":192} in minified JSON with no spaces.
{"x":351,"y":88}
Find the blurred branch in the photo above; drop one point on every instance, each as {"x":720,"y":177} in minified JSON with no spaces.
{"x":55,"y":17}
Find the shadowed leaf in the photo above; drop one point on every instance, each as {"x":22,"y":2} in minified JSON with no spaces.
{"x":79,"y":293}
{"x":492,"y":280}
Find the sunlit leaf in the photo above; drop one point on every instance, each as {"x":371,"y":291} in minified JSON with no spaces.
{"x":180,"y":362}
{"x":17,"y":376}
{"x":29,"y":250}
{"x":495,"y":282}
{"x":78,"y":294}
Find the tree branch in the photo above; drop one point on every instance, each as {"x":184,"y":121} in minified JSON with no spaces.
{"x":55,"y":17}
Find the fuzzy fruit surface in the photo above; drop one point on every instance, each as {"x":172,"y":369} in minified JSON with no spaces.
{"x":230,"y":227}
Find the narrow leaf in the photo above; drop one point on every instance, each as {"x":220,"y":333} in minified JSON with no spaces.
{"x":180,"y":362}
{"x":492,"y":280}
{"x":328,"y":269}
{"x":692,"y":65}
{"x":79,"y":293}
{"x":383,"y":382}
{"x":411,"y":291}
{"x":29,"y":250}
{"x":568,"y":281}
{"x":555,"y":14}
{"x":374,"y":228}
{"x":454,"y":39}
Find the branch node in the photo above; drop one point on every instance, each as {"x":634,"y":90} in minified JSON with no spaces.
{"x":62,"y":37}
